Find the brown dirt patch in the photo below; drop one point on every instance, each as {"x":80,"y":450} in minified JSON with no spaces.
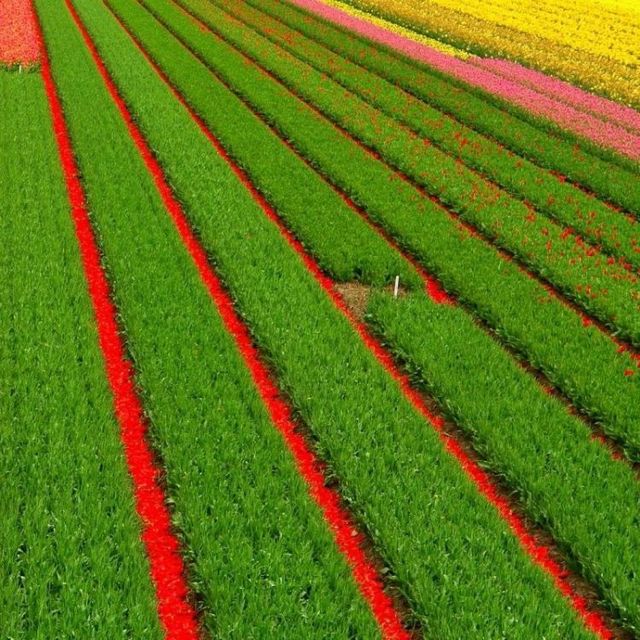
{"x":356,"y":297}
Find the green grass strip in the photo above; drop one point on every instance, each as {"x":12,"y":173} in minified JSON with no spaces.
{"x":312,"y":208}
{"x":262,"y":558}
{"x":71,"y":560}
{"x":582,"y":362}
{"x":607,"y":173}
{"x":599,"y":284}
{"x":614,"y":233}
{"x":565,"y":480}
{"x":378,"y":446}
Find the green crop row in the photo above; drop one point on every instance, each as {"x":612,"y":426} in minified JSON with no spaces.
{"x":598,"y":283}
{"x":582,"y":362}
{"x":565,"y":480}
{"x":615,"y":233}
{"x":71,"y":559}
{"x":262,"y":557}
{"x":377,"y":444}
{"x":547,"y":454}
{"x":313,"y":207}
{"x":524,"y":134}
{"x":342,"y":243}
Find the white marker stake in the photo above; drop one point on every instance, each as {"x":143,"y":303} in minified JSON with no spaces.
{"x":395,"y":287}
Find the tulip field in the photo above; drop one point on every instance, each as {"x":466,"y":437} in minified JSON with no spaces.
{"x":320,"y":319}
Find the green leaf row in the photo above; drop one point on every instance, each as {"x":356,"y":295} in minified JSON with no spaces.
{"x":566,"y":480}
{"x":262,"y":558}
{"x":464,"y":559}
{"x":71,"y":559}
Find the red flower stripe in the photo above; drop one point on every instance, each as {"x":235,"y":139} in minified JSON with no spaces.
{"x":167,"y":569}
{"x":19,"y":42}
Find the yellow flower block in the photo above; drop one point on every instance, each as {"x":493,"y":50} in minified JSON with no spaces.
{"x":595,"y":43}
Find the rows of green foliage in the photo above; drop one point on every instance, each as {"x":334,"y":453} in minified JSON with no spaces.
{"x":597,"y":222}
{"x":581,"y":361}
{"x":261,"y":556}
{"x":319,"y":216}
{"x":376,"y":443}
{"x":599,"y":284}
{"x":565,"y":479}
{"x":589,"y":165}
{"x":71,"y":559}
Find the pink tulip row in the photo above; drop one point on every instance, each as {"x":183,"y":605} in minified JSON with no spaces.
{"x":19,"y":43}
{"x":588,"y":115}
{"x":564,"y":92}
